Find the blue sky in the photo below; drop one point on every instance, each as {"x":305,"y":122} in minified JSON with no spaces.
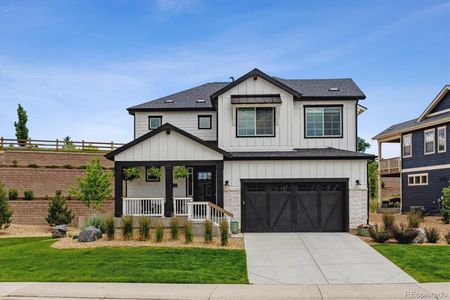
{"x":76,"y":65}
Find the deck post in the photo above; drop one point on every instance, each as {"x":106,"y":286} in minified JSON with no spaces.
{"x":169,"y":190}
{"x":380,"y":156}
{"x":118,"y":185}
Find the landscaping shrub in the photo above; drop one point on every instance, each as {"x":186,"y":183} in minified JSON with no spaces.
{"x":379,"y":234}
{"x":28,"y":195}
{"x":446,"y":216}
{"x":188,"y":233}
{"x":418,"y":210}
{"x":110,"y":229}
{"x":159,"y":233}
{"x":414,"y":219}
{"x":208,"y":231}
{"x":15,"y":163}
{"x":388,"y":222}
{"x":447,"y":237}
{"x":68,"y":166}
{"x":404,"y":235}
{"x":127,"y":227}
{"x":5,"y":211}
{"x":174,"y":228}
{"x":32,"y":166}
{"x":144,"y":229}
{"x":51,"y":166}
{"x":58,"y":211}
{"x":13,"y":194}
{"x":224,"y":232}
{"x":433,"y":234}
{"x":95,"y":221}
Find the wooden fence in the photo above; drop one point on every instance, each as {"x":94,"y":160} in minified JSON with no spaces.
{"x":57,"y":145}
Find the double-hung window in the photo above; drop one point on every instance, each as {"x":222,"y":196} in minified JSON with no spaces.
{"x":429,"y":141}
{"x":407,"y":148}
{"x":323,"y":122}
{"x":255,"y":121}
{"x":154,"y":122}
{"x":442,"y":139}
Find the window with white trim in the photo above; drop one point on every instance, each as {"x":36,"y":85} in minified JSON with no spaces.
{"x":429,"y":141}
{"x":323,"y":122}
{"x":418,"y":179}
{"x":442,"y":139}
{"x":407,"y":148}
{"x":255,"y":121}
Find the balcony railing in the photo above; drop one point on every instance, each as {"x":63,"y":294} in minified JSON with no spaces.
{"x":390,"y":166}
{"x":143,"y":207}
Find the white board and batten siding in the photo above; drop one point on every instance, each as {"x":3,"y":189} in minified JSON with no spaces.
{"x":185,"y":120}
{"x":173,"y":146}
{"x":354,"y":170}
{"x":289,"y":121}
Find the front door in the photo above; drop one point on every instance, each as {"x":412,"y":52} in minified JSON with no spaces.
{"x":205,"y":184}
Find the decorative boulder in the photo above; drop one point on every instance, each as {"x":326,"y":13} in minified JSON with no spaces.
{"x":420,"y":237}
{"x":59,"y":231}
{"x":89,"y":234}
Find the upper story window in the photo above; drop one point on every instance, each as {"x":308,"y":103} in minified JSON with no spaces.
{"x":255,"y":121}
{"x":154,"y":122}
{"x":407,"y":149}
{"x":204,"y":122}
{"x":429,"y":141}
{"x":442,"y":139}
{"x":323,"y":121}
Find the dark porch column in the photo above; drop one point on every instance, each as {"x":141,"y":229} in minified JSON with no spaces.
{"x":169,"y":190}
{"x":219,"y":184}
{"x":118,"y":185}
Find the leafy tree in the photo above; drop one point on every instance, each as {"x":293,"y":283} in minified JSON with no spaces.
{"x":5,"y":211}
{"x":68,"y":144}
{"x":93,"y":188}
{"x":130,"y":174}
{"x":21,"y":126}
{"x":363,"y":145}
{"x":59,"y":212}
{"x":446,"y":197}
{"x":373,"y":179}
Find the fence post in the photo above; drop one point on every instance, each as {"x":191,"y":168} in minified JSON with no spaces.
{"x":57,"y":144}
{"x":1,"y":142}
{"x":82,"y":145}
{"x":29,"y":143}
{"x":112,"y":145}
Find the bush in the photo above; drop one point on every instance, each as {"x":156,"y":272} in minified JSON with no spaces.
{"x":127,"y":227}
{"x":51,"y":166}
{"x":404,"y":235}
{"x":418,"y":210}
{"x":95,"y":221}
{"x":388,"y":222}
{"x":447,"y":237}
{"x":159,"y":233}
{"x":379,"y":234}
{"x":445,"y":216}
{"x":59,"y":212}
{"x":15,"y":163}
{"x":224,"y":232}
{"x":5,"y":212}
{"x":433,"y":234}
{"x":68,"y":166}
{"x":174,"y":228}
{"x":188,"y":233}
{"x":110,"y":229}
{"x":13,"y":194}
{"x":414,"y":219}
{"x":144,"y":228}
{"x":28,"y":195}
{"x":32,"y":166}
{"x":208,"y":231}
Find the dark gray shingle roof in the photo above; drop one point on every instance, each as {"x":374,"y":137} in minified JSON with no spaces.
{"x":404,"y":126}
{"x":312,"y":153}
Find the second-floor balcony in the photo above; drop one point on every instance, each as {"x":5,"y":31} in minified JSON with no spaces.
{"x":390,"y":166}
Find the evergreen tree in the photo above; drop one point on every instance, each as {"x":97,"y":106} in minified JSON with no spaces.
{"x":59,"y":212}
{"x":21,"y":126}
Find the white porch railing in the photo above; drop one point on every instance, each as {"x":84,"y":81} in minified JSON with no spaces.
{"x":180,"y":205}
{"x":201,"y":211}
{"x":143,"y":207}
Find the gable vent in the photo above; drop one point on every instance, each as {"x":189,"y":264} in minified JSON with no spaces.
{"x":168,"y":101}
{"x":200,"y":101}
{"x":334,"y":89}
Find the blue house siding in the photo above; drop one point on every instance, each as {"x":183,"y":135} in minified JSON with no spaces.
{"x":424,"y":195}
{"x":419,"y":159}
{"x":443,"y":104}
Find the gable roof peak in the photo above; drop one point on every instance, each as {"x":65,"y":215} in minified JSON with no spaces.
{"x":435,"y":102}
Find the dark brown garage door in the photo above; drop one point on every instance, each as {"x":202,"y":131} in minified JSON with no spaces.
{"x":296,"y":205}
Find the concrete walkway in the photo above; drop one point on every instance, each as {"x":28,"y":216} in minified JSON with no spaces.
{"x":209,"y":291}
{"x":317,"y":258}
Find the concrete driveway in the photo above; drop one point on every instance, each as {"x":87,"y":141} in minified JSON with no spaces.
{"x":317,"y":258}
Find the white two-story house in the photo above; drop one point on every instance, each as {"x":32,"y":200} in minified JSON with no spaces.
{"x":275,"y":154}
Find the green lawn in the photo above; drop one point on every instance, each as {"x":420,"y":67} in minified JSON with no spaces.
{"x":32,"y":259}
{"x":423,"y":263}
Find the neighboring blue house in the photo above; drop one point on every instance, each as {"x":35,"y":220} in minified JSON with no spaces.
{"x":424,"y":166}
